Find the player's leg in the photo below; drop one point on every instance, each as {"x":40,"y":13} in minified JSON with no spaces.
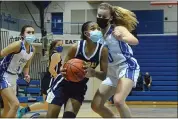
{"x":8,"y":93}
{"x":101,"y":96}
{"x":40,"y":105}
{"x":34,"y":107}
{"x":53,"y":111}
{"x":124,"y":87}
{"x":75,"y":97}
{"x":6,"y":106}
{"x":56,"y":98}
{"x":71,"y":108}
{"x":11,"y":79}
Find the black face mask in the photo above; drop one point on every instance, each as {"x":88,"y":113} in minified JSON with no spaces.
{"x":103,"y":23}
{"x":147,"y":76}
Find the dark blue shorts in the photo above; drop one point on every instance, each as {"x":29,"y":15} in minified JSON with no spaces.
{"x":61,"y":90}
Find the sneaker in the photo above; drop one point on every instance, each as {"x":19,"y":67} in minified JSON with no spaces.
{"x":36,"y":115}
{"x":20,"y":112}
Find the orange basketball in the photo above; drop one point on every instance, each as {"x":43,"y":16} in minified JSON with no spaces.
{"x":75,"y":71}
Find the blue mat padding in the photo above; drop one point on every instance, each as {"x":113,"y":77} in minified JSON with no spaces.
{"x":157,"y":60}
{"x":23,"y":99}
{"x":173,"y":73}
{"x":165,"y":83}
{"x":164,"y":88}
{"x":170,"y":56}
{"x":33,"y":90}
{"x":35,"y":82}
{"x":155,"y":93}
{"x":159,"y":69}
{"x":22,"y":82}
{"x":39,"y":98}
{"x":165,"y":78}
{"x":152,"y":98}
{"x":158,"y":64}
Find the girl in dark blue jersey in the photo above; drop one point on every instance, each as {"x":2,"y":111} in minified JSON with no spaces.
{"x":72,"y":94}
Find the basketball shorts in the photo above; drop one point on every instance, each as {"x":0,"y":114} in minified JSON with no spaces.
{"x":61,"y":90}
{"x":45,"y":82}
{"x":8,"y":80}
{"x":122,"y":70}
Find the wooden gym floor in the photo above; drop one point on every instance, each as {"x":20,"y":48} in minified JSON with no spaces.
{"x":168,"y":110}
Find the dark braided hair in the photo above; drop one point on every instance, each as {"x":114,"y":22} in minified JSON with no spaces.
{"x":84,"y":28}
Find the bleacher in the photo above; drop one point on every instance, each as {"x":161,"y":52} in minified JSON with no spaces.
{"x":29,"y":92}
{"x":158,"y":55}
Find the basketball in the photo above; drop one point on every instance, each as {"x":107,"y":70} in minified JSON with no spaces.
{"x":75,"y":71}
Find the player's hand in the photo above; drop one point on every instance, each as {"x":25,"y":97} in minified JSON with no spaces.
{"x":63,"y":71}
{"x":90,"y":72}
{"x":149,"y":85}
{"x":27,"y":78}
{"x":117,"y":34}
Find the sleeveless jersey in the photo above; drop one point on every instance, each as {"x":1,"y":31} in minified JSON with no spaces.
{"x":14,"y":63}
{"x":119,"y":51}
{"x":91,"y":61}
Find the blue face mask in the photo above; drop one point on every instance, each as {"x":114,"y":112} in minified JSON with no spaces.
{"x":59,"y":49}
{"x":30,"y":39}
{"x":96,"y":35}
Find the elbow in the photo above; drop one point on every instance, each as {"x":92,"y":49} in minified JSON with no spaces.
{"x":50,"y":70}
{"x":134,"y":41}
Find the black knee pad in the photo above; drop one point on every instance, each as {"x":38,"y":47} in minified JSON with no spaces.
{"x":69,"y":115}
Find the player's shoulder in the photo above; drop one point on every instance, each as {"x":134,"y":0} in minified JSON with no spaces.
{"x":16,"y":43}
{"x":56,"y":55}
{"x":104,"y":49}
{"x":75,"y":45}
{"x":120,"y":28}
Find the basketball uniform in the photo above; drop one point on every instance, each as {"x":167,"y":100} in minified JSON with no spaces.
{"x":12,"y":65}
{"x":48,"y":79}
{"x":121,"y":61}
{"x":62,"y":89}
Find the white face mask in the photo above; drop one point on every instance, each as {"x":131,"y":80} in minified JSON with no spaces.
{"x":30,"y":39}
{"x":96,"y":35}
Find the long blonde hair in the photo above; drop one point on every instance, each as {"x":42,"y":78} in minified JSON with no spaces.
{"x":121,"y":16}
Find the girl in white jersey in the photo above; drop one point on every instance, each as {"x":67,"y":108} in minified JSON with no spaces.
{"x":17,"y":59}
{"x":123,"y":69}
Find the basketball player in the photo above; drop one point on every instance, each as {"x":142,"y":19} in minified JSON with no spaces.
{"x":72,"y":94}
{"x":52,"y":72}
{"x":17,"y":59}
{"x":123,"y":69}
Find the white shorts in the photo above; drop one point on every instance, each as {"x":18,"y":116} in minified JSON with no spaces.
{"x":121,"y":71}
{"x":9,"y":80}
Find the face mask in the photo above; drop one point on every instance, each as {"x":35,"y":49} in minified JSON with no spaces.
{"x":96,"y":35}
{"x":147,"y":76}
{"x":103,"y":23}
{"x":59,"y":49}
{"x":30,"y":39}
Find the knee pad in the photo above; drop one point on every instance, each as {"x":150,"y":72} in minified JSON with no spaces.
{"x":69,"y":115}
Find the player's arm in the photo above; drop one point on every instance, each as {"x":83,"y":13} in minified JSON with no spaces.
{"x":26,"y":68}
{"x":55,"y":59}
{"x":11,"y":48}
{"x":121,"y":33}
{"x":103,"y":65}
{"x":71,"y":53}
{"x":150,"y":80}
